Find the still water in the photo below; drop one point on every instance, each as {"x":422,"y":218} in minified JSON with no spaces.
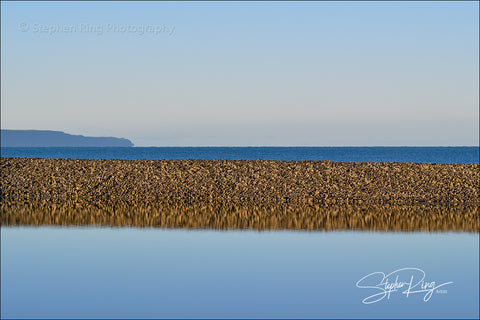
{"x":351,"y":154}
{"x":82,"y":272}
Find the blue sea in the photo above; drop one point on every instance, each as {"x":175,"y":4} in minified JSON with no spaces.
{"x":459,"y":155}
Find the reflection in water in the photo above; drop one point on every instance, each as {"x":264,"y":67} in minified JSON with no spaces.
{"x":266,"y":217}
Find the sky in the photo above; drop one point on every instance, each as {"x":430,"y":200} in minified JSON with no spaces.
{"x":244,"y":73}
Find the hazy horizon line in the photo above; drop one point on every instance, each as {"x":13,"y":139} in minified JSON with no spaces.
{"x":289,"y":146}
{"x":229,"y":146}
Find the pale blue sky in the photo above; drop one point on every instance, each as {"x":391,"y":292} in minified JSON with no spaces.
{"x":241,"y":73}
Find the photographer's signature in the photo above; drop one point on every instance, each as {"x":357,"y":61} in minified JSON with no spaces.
{"x":406,"y":281}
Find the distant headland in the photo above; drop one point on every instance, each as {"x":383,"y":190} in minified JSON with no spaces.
{"x":48,"y":138}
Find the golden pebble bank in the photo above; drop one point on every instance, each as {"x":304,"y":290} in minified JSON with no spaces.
{"x":241,"y":194}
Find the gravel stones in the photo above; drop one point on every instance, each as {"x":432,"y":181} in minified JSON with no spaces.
{"x":240,"y":194}
{"x":240,"y":182}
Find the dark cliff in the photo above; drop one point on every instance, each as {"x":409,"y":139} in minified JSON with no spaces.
{"x":47,"y":138}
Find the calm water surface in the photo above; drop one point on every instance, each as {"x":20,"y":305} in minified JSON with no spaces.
{"x":352,"y":154}
{"x":58,"y":272}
